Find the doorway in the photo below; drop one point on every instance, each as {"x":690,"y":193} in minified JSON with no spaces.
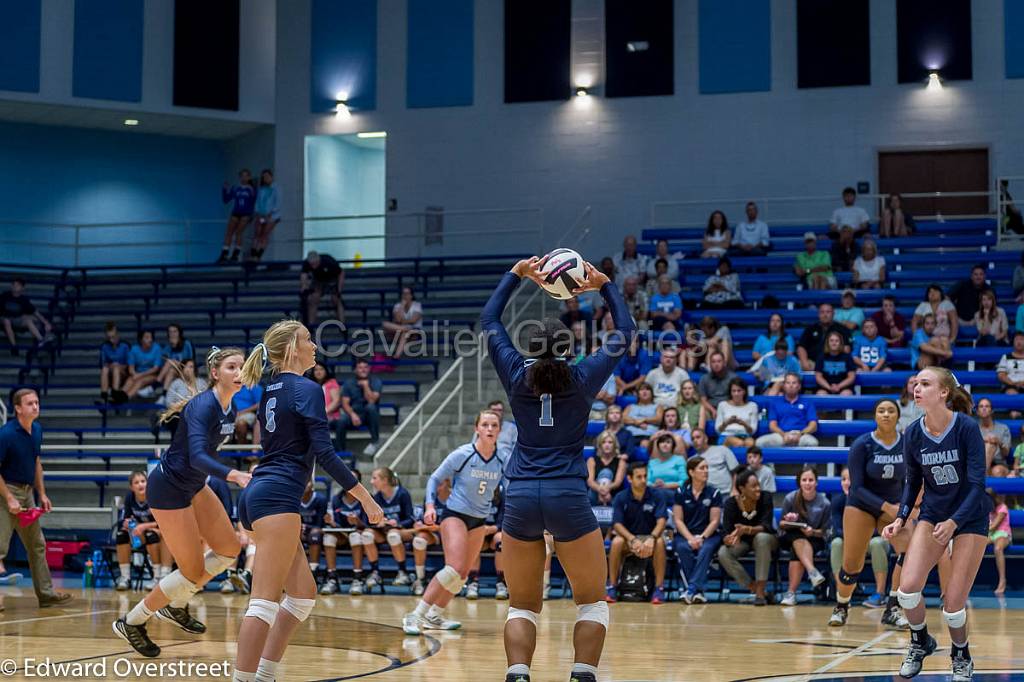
{"x":944,"y":170}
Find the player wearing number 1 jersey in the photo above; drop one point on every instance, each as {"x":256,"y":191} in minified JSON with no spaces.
{"x":547,"y":476}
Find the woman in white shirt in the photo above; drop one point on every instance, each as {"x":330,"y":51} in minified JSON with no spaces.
{"x":946,"y":322}
{"x":737,"y":418}
{"x":990,"y":320}
{"x":717,"y":237}
{"x":869,"y":267}
{"x":406,"y":317}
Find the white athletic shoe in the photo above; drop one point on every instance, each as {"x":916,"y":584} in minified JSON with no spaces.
{"x":148,"y":584}
{"x":373,"y":581}
{"x":789,"y":599}
{"x":411,"y":624}
{"x":501,"y":591}
{"x":370,"y":450}
{"x":329,"y":587}
{"x":122,"y":584}
{"x":401,"y":580}
{"x":356,"y":588}
{"x":963,"y":669}
{"x":227,"y":588}
{"x":817,"y":578}
{"x":439,"y":623}
{"x":473,"y":591}
{"x":417,"y":587}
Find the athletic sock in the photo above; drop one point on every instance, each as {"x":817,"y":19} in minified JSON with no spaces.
{"x":357,"y":575}
{"x":267,"y":670}
{"x":842,"y":601}
{"x":240,"y":676}
{"x":473,"y":576}
{"x":373,"y":566}
{"x":422,"y":608}
{"x":421,"y":572}
{"x":313,"y":567}
{"x":435,"y":611}
{"x":893,"y":600}
{"x":125,"y":569}
{"x":584,"y":668}
{"x":547,"y":578}
{"x":960,"y":651}
{"x":518,"y":669}
{"x":139,"y":614}
{"x":501,"y":576}
{"x":919,"y":633}
{"x":158,"y":571}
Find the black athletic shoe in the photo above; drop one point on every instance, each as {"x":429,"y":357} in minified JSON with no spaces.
{"x":512,"y":677}
{"x":582,"y":677}
{"x":182,"y":618}
{"x":136,"y":636}
{"x":916,"y":654}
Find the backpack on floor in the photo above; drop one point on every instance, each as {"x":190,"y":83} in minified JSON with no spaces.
{"x":636,"y":581}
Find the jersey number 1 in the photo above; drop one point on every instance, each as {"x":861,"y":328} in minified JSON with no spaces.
{"x":545,"y":411}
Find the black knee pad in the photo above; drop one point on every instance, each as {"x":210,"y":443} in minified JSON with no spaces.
{"x":122,"y":538}
{"x":150,"y":538}
{"x":847,"y":579}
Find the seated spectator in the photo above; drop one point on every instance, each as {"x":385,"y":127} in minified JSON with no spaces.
{"x":603,"y":400}
{"x":814,"y":267}
{"x":643,"y":417}
{"x":580,"y":342}
{"x":773,"y":368}
{"x":1010,"y":370}
{"x":748,"y":524}
{"x":691,"y":409}
{"x":633,"y":367}
{"x":628,"y":263}
{"x":666,"y":307}
{"x":332,"y":392}
{"x":844,"y":251}
{"x":15,"y":306}
{"x":680,"y":432}
{"x":835,"y":371}
{"x":891,"y":325}
{"x":717,"y":338}
{"x":321,"y":274}
{"x":990,"y":321}
{"x":247,"y":402}
{"x":926,"y":348}
{"x":714,"y":385}
{"x":613,"y":423}
{"x":942,"y":309}
{"x":791,"y":419}
{"x":606,"y":470}
{"x":717,"y":237}
{"x":406,"y":321}
{"x":144,"y":362}
{"x":812,"y":341}
{"x":666,"y":470}
{"x":671,"y":262}
{"x":697,"y":511}
{"x":999,"y":534}
{"x":178,"y":350}
{"x":909,"y":410}
{"x":113,"y":362}
{"x":242,"y":198}
{"x":637,"y":301}
{"x":966,"y":294}
{"x":573,"y":314}
{"x":869,"y":267}
{"x":137,"y":527}
{"x":765,"y":343}
{"x":268,"y":214}
{"x":848,"y":314}
{"x":750,"y":237}
{"x":736,"y":419}
{"x":184,"y":386}
{"x":765,"y":474}
{"x":869,"y":349}
{"x":638,"y":520}
{"x":722,"y":289}
{"x":660,"y":270}
{"x":806,"y":518}
{"x":895,"y":221}
{"x":995,"y":434}
{"x":312,"y":510}
{"x":721,"y":462}
{"x":849,"y":215}
{"x":360,"y":396}
{"x":667,"y":378}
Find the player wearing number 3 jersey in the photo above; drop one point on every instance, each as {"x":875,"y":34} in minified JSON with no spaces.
{"x":547,"y":476}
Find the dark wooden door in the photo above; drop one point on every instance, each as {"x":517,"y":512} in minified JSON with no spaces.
{"x":947,"y":170}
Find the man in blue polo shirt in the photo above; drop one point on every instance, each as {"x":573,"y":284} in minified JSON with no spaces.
{"x":791,"y":418}
{"x":639,"y":516}
{"x":21,"y":470}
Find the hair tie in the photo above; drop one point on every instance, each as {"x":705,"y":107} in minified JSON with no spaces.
{"x":955,"y":380}
{"x":263,"y":349}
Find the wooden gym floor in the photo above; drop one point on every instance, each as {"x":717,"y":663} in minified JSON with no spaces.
{"x":349,"y":638}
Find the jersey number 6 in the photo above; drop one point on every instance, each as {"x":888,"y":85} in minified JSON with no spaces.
{"x":545,"y":411}
{"x":271,"y":424}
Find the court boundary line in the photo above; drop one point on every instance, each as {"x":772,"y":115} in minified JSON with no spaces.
{"x":850,"y":654}
{"x":4,"y":623}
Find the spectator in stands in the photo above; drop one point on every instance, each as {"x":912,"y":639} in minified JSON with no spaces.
{"x":603,"y":400}
{"x":722,"y":289}
{"x":572,"y":313}
{"x":721,"y":462}
{"x":736,"y":419}
{"x":144,"y":362}
{"x":942,"y":309}
{"x":667,"y":378}
{"x":606,"y":470}
{"x":895,"y":221}
{"x":247,"y":402}
{"x":999,"y":534}
{"x":666,"y":307}
{"x":869,"y":267}
{"x":995,"y":434}
{"x":661,"y":252}
{"x":407,"y":321}
{"x":21,"y":475}
{"x":714,"y":385}
{"x":178,"y":350}
{"x":748,"y":524}
{"x":332,"y":392}
{"x":1010,"y":370}
{"x":773,"y":368}
{"x":812,"y":341}
{"x":849,"y":215}
{"x":320,"y":274}
{"x":360,"y":396}
{"x":835,"y":371}
{"x":633,"y":367}
{"x":643,"y":417}
{"x":870,"y":349}
{"x":697,"y":511}
{"x":892,"y":326}
{"x":814,"y":267}
{"x":927,"y":348}
{"x":680,"y":432}
{"x":638,"y":519}
{"x":629,"y":263}
{"x":113,"y":361}
{"x":717,"y":339}
{"x":750,"y":236}
{"x":242,"y":197}
{"x":268,"y":214}
{"x":806,"y":518}
{"x":614,"y":424}
{"x":909,"y":410}
{"x":717,"y":237}
{"x":661,"y":270}
{"x":990,"y":321}
{"x":844,"y":251}
{"x":765,"y":474}
{"x":765,"y":343}
{"x":848,"y":314}
{"x":134,"y":519}
{"x":691,"y":408}
{"x":16,"y":306}
{"x":666,"y":470}
{"x":637,"y":301}
{"x":966,"y":294}
{"x":509,"y":432}
{"x":791,"y":419}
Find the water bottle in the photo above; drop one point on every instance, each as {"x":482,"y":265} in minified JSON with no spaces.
{"x":136,"y":540}
{"x":87,"y":576}
{"x":101,"y":571}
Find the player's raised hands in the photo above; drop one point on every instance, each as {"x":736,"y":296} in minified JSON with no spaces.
{"x":530,"y":268}
{"x":595,"y":279}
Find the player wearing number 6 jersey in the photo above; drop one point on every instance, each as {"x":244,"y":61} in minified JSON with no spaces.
{"x":945,"y":452}
{"x":547,"y":487}
{"x":475,"y":470}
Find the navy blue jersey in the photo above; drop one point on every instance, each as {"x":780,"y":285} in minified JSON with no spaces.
{"x":293,"y":421}
{"x":223,"y":492}
{"x":312,"y":513}
{"x":951,"y":468}
{"x":133,"y":509}
{"x":343,"y":510}
{"x":191,"y":456}
{"x":551,"y":427}
{"x":876,"y":472}
{"x":398,"y":507}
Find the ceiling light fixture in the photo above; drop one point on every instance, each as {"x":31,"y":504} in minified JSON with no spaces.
{"x":131,"y":121}
{"x":376,"y":133}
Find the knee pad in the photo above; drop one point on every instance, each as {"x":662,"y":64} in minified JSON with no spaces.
{"x":368,"y":538}
{"x":845,"y":578}
{"x":150,"y":538}
{"x":250,"y":549}
{"x":908,"y":600}
{"x":595,"y":613}
{"x":957,"y":619}
{"x":215,"y":564}
{"x":330,"y":540}
{"x":300,"y":608}
{"x":177,"y":587}
{"x":450,"y":579}
{"x":264,"y":609}
{"x":394,"y":537}
{"x":355,"y":539}
{"x":420,"y":543}
{"x":879,"y":550}
{"x":315,"y":536}
{"x":522,"y":613}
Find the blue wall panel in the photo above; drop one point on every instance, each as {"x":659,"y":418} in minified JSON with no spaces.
{"x":343,"y":53}
{"x":1013,"y":28}
{"x":108,"y":49}
{"x":439,"y":70}
{"x":19,"y":36}
{"x":735,"y":54}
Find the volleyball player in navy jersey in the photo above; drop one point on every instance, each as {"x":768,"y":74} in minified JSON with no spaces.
{"x":876,"y":468}
{"x":547,"y":477}
{"x":293,"y":421}
{"x":945,"y":452}
{"x":186,"y":509}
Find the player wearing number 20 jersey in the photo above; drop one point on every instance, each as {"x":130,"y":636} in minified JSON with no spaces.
{"x":876,"y":473}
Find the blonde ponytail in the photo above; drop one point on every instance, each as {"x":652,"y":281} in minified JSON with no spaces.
{"x":279,"y":344}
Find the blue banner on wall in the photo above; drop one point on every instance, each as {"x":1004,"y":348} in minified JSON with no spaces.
{"x":19,"y":35}
{"x":1013,"y":37}
{"x":735,"y":55}
{"x":108,"y":49}
{"x":343,"y":54}
{"x":439,"y":58}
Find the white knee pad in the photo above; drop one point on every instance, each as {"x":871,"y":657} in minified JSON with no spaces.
{"x":595,"y":613}
{"x":250,"y":550}
{"x":957,"y":619}
{"x":368,"y":538}
{"x":300,"y":608}
{"x":177,"y":587}
{"x":450,"y":579}
{"x":264,"y":609}
{"x":394,"y":537}
{"x":215,"y":564}
{"x":420,"y":543}
{"x":330,"y":540}
{"x":908,"y":600}
{"x":522,"y":613}
{"x":355,"y":539}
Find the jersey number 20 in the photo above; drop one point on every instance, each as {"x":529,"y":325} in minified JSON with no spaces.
{"x":545,"y":411}
{"x":945,"y":474}
{"x":271,"y":423}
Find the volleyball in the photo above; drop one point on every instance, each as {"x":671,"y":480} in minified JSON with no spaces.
{"x":563,"y":272}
